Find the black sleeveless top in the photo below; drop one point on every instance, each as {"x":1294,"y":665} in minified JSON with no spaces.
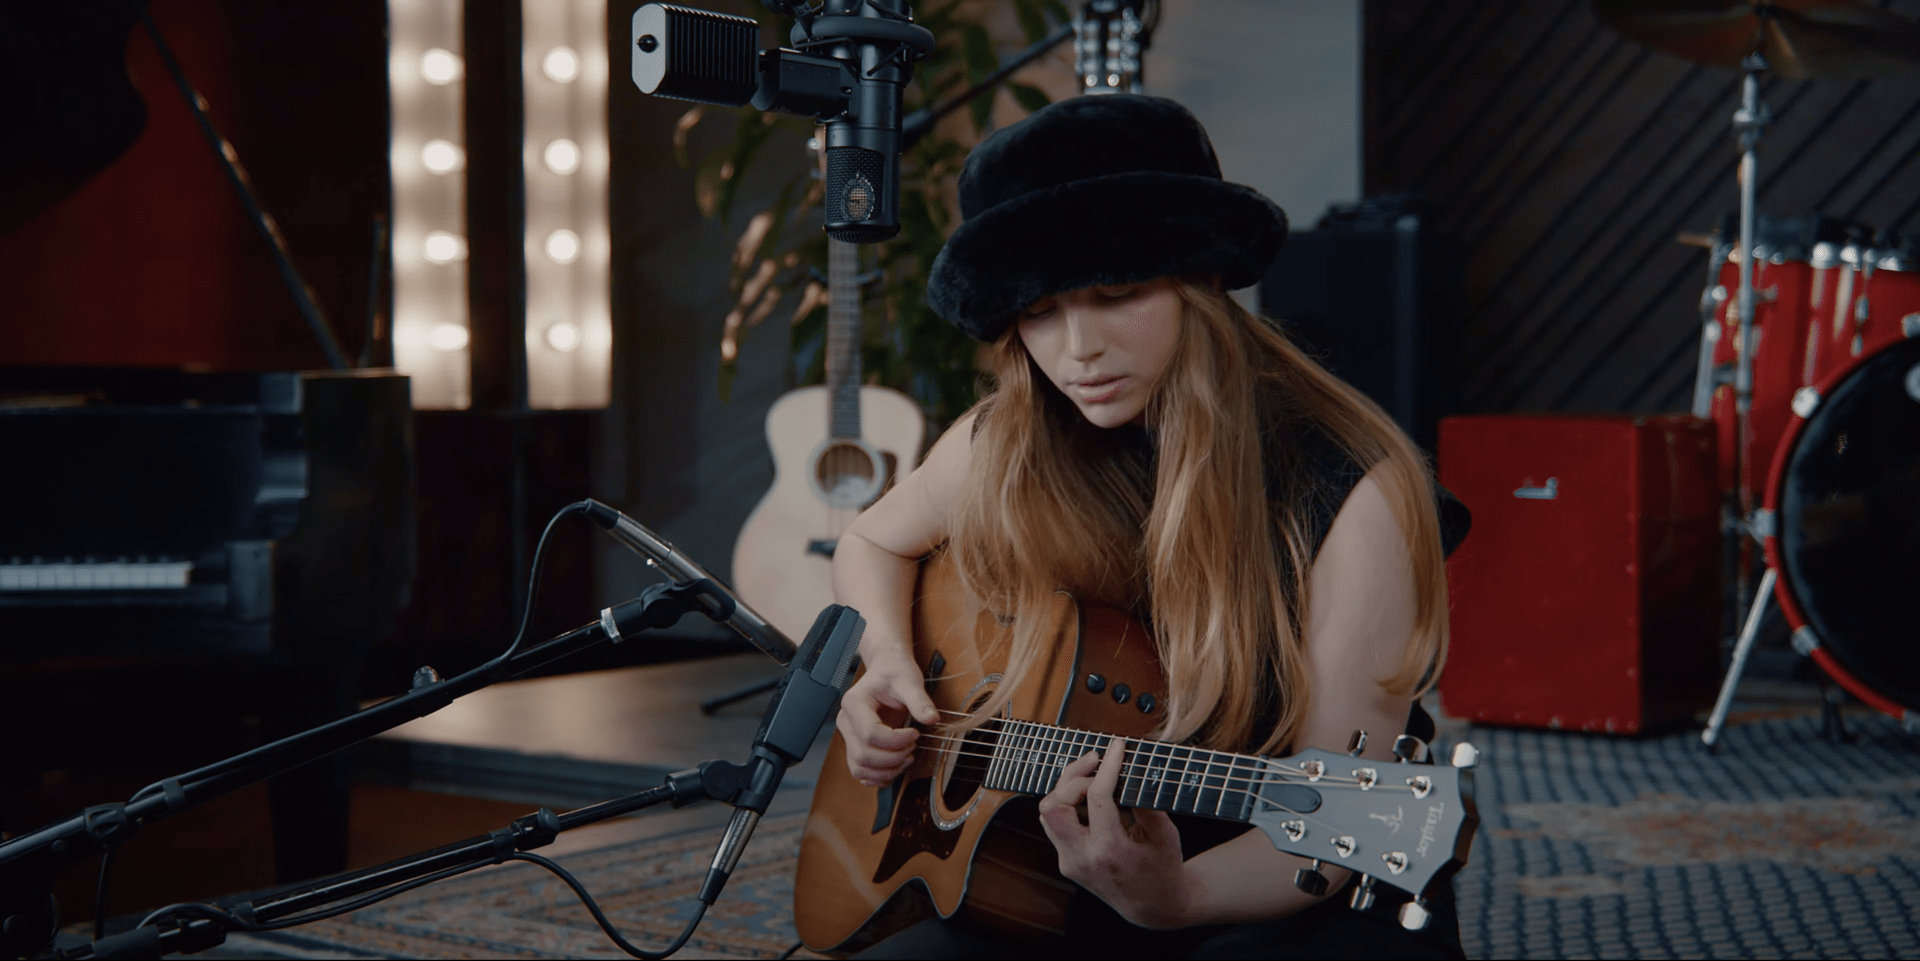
{"x":1299,"y":460}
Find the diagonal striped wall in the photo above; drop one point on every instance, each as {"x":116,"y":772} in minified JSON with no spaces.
{"x":1563,"y":159}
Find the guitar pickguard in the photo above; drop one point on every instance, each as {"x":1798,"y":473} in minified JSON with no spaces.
{"x":914,"y":831}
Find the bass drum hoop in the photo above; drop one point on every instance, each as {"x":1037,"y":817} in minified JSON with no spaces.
{"x":1784,"y":584}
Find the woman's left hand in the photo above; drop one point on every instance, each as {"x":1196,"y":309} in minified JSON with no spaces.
{"x":1130,"y":859}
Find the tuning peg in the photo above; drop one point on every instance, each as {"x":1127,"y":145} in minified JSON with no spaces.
{"x":1311,"y":880}
{"x":1465,"y":755}
{"x":1413,"y":914}
{"x":1410,"y":749}
{"x":1362,"y":894}
{"x":1357,"y":743}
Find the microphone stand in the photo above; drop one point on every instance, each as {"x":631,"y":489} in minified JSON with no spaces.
{"x":28,"y":862}
{"x":315,"y":900}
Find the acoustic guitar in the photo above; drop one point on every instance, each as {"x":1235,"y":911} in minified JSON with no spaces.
{"x":958,"y":831}
{"x":836,"y":449}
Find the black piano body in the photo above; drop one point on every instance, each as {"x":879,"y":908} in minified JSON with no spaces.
{"x":192,"y":562}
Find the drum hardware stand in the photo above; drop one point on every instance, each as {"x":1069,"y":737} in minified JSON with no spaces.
{"x":1749,"y":125}
{"x":1717,"y":721}
{"x":1833,"y":723}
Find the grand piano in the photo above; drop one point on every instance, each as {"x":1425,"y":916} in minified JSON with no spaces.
{"x":191,"y":562}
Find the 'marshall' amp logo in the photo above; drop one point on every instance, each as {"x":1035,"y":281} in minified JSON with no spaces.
{"x":1433,"y":821}
{"x":1393,"y":821}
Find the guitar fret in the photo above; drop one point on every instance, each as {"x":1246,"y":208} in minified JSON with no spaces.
{"x":1219,"y":775}
{"x":1200,"y":784}
{"x":1015,"y":751}
{"x":1030,"y":745}
{"x":1250,"y":787}
{"x":1132,"y":777}
{"x":1049,"y":761}
{"x":1031,"y":758}
{"x":1162,"y":764}
{"x":1072,"y":745}
{"x":997,"y":761}
{"x":1183,"y":796}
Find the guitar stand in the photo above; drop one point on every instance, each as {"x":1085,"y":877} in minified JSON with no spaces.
{"x":712,"y":705}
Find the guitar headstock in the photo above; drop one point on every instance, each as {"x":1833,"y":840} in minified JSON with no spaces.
{"x":1399,"y":823}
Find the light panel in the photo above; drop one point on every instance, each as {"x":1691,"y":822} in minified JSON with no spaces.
{"x":564,"y":74}
{"x":428,"y":166}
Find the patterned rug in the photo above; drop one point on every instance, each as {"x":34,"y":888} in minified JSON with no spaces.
{"x":646,"y":888}
{"x":1782,"y":845}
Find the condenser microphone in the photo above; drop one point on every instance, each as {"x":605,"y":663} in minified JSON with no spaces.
{"x":808,"y":695}
{"x":683,"y":570}
{"x":850,"y":63}
{"x":863,"y":144}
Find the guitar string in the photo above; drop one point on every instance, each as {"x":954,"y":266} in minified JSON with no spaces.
{"x":1303,"y":816}
{"x":1249,"y":758}
{"x":1268,"y":765}
{"x":1132,"y":768}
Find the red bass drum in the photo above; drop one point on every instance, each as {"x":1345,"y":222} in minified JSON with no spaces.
{"x":1844,"y":498}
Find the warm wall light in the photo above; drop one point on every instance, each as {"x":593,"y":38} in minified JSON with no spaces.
{"x":563,"y":246}
{"x":427,"y":161}
{"x":442,"y":247}
{"x":560,"y":65}
{"x":564,"y":84}
{"x":440,"y":67}
{"x":563,"y":337}
{"x":441,"y":156}
{"x":448,"y":337}
{"x":563,"y":156}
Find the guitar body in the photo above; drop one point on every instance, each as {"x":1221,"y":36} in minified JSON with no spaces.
{"x":782,"y":561}
{"x":936,"y":841}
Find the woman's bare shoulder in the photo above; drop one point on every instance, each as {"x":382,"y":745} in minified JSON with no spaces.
{"x":913,"y":518}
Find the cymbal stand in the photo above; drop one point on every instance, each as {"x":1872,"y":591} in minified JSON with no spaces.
{"x":1749,"y":125}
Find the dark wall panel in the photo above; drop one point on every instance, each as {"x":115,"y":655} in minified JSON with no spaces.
{"x":1563,"y":160}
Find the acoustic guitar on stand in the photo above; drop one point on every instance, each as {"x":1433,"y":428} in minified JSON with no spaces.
{"x":836,"y":449}
{"x":958,"y":831}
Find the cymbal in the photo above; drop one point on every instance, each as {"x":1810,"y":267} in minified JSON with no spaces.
{"x":1801,"y":39}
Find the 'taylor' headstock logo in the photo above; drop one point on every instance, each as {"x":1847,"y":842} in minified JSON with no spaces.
{"x":1434,"y":812}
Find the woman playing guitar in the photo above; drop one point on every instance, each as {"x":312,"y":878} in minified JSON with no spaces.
{"x":1151,"y":446}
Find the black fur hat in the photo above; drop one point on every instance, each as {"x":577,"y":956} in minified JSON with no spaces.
{"x":1095,"y":190}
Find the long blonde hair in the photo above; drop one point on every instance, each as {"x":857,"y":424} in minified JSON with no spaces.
{"x":1052,"y":502}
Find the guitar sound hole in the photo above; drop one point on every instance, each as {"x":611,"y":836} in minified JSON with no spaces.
{"x":847,"y":475}
{"x":969,"y":769}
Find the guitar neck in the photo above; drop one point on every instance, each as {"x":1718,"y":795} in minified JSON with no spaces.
{"x":843,"y":338}
{"x":1027,"y":758}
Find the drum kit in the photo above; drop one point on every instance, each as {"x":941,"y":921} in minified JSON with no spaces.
{"x":1810,"y":365}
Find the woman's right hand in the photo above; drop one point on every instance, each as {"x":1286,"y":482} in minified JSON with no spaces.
{"x":891,"y":692}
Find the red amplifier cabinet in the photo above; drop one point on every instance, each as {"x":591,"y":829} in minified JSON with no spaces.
{"x":1587,"y":595}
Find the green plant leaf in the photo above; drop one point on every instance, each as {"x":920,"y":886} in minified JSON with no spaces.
{"x":979,"y":47}
{"x":1056,"y":11}
{"x":1033,"y":23}
{"x":1029,"y":96}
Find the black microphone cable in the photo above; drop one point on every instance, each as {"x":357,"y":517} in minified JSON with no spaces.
{"x":221,"y":767}
{"x":234,"y":922}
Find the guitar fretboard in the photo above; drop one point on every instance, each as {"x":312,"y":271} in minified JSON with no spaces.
{"x":843,"y":339}
{"x":1027,"y":758}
